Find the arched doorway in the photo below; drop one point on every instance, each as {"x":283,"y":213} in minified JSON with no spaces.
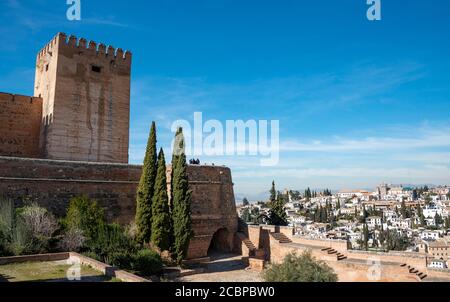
{"x":220,"y":242}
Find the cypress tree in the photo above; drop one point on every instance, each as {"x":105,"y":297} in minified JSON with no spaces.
{"x":181,"y":214}
{"x":160,"y":235}
{"x":178,"y":149}
{"x":273,"y":193}
{"x":145,"y":190}
{"x":366,"y":237}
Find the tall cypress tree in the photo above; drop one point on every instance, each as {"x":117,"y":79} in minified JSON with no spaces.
{"x":181,"y":213}
{"x":145,"y":190}
{"x":160,"y":236}
{"x":178,"y":148}
{"x":273,"y":192}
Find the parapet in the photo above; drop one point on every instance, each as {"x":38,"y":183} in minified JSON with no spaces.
{"x":72,"y":41}
{"x":20,"y":98}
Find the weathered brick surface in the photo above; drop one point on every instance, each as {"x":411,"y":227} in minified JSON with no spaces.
{"x":213,"y":209}
{"x":20,"y":123}
{"x":52,"y":183}
{"x":86,"y":95}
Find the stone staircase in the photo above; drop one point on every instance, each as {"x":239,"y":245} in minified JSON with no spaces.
{"x":248,"y":243}
{"x":415,"y":271}
{"x":331,"y":251}
{"x":281,"y":238}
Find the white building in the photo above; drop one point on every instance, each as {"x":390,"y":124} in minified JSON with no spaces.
{"x":437,"y":263}
{"x":373,"y":221}
{"x":429,"y":235}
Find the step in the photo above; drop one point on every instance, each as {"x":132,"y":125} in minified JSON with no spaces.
{"x":326,"y":249}
{"x":423,"y":277}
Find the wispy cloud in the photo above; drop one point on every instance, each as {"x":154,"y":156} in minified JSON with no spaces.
{"x":411,"y":139}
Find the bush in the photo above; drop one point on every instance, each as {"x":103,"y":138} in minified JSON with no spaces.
{"x":39,"y":221}
{"x":34,"y":227}
{"x":6,"y":226}
{"x":72,"y":240}
{"x":27,"y":231}
{"x":303,"y":268}
{"x":112,"y":245}
{"x":147,"y":263}
{"x":84,"y":214}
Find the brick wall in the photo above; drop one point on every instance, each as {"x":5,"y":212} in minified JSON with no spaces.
{"x":52,"y":183}
{"x":213,"y":208}
{"x":20,"y":123}
{"x":86,"y":92}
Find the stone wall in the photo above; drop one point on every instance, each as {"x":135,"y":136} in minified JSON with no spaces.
{"x":20,"y":123}
{"x":52,"y":183}
{"x":354,"y":266}
{"x":86,"y":93}
{"x":213,"y":209}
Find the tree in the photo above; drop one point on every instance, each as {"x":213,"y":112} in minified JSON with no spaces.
{"x":447,"y":223}
{"x":273,"y":192}
{"x":303,"y":268}
{"x":146,"y":189}
{"x":403,"y":210}
{"x":366,"y":237}
{"x":160,"y":236}
{"x":245,"y":202}
{"x":246,"y":216}
{"x":277,"y":213}
{"x":85,"y":215}
{"x":181,"y":213}
{"x":178,"y":149}
{"x":438,"y":220}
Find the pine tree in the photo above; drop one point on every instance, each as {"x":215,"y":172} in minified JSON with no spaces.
{"x":145,"y":190}
{"x":160,"y":236}
{"x":181,"y":214}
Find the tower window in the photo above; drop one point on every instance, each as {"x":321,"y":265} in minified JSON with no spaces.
{"x":46,"y":67}
{"x":97,"y":69}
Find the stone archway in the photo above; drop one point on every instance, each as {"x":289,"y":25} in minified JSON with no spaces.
{"x":220,"y":242}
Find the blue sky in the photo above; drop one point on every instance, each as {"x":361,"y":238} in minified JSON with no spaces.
{"x":358,"y":102}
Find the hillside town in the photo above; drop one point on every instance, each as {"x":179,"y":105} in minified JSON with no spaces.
{"x":391,"y":218}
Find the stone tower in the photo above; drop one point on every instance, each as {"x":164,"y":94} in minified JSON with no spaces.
{"x":85,"y":88}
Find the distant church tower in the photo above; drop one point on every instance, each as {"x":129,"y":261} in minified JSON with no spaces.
{"x":85,"y":90}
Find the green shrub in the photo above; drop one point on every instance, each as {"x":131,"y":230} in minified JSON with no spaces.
{"x":147,"y":263}
{"x":27,"y":230}
{"x":6,"y":226}
{"x":84,"y":214}
{"x":111,"y":244}
{"x":303,"y":268}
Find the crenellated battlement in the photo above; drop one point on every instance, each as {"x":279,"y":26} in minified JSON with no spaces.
{"x":20,"y":98}
{"x":82,"y":44}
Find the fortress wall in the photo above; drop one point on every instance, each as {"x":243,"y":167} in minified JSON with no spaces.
{"x":52,"y":183}
{"x":338,"y":245}
{"x":20,"y":118}
{"x":347,"y":270}
{"x":213,"y":208}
